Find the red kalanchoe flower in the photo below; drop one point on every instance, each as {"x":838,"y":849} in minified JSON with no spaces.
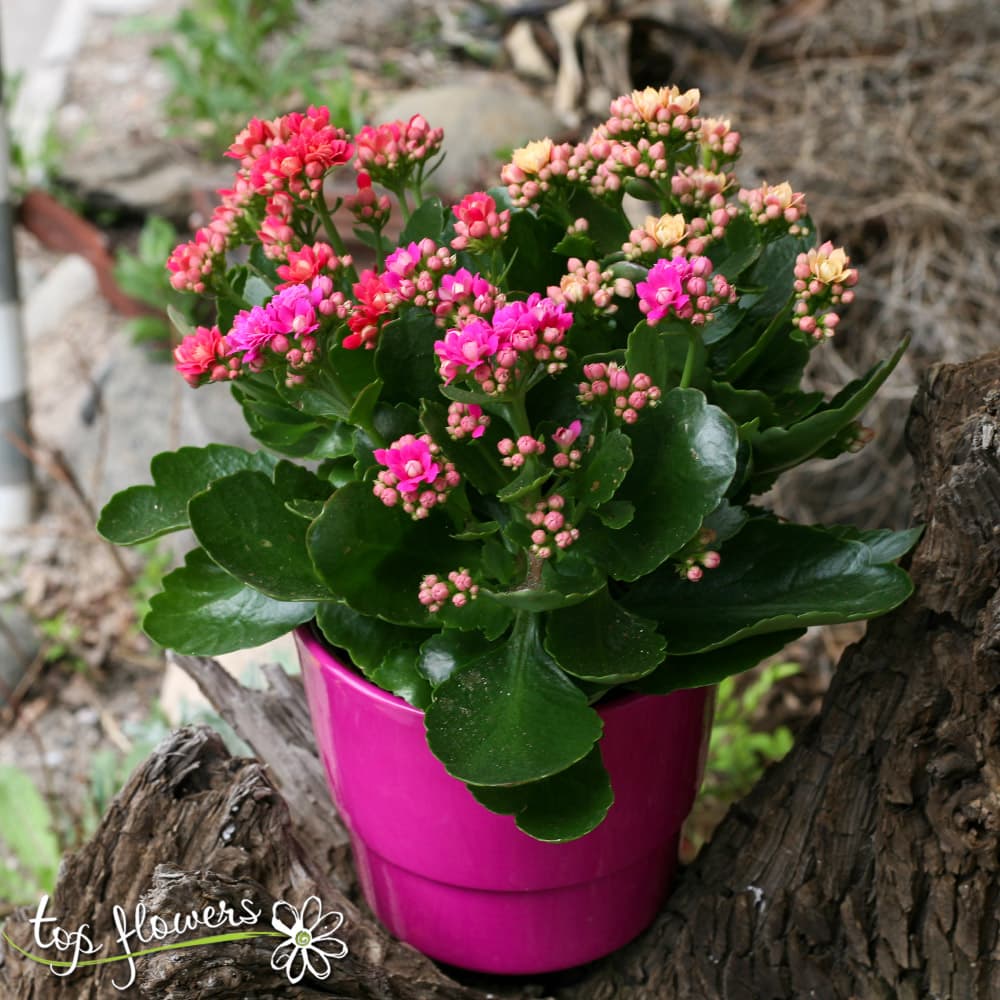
{"x":199,"y":357}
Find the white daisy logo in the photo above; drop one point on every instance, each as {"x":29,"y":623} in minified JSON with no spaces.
{"x":310,"y":944}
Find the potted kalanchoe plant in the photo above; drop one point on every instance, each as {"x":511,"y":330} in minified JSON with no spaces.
{"x":521,"y":455}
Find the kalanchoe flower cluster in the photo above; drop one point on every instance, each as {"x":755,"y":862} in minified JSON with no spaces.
{"x":698,"y":557}
{"x":466,"y":420}
{"x":201,"y":357}
{"x":588,"y":283}
{"x":416,"y":476}
{"x":515,"y":453}
{"x":389,"y":153}
{"x":720,"y":144}
{"x":684,"y":287}
{"x":286,"y":326}
{"x":518,"y":337}
{"x":479,"y":227}
{"x":552,"y":532}
{"x":769,"y":204}
{"x":823,"y":282}
{"x":628,"y":394}
{"x":312,"y":260}
{"x":567,"y":457}
{"x":458,"y":589}
{"x":368,"y":206}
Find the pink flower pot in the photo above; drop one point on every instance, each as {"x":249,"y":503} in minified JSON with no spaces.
{"x":464,"y":885}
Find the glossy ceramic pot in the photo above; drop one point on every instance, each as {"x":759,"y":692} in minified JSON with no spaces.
{"x":464,"y":885}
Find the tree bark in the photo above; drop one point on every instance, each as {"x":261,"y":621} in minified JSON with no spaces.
{"x":865,"y":865}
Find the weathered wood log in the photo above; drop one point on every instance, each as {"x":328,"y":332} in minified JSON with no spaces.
{"x":866,"y":864}
{"x":195,"y":826}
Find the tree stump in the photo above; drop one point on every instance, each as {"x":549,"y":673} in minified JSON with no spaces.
{"x":866,"y":864}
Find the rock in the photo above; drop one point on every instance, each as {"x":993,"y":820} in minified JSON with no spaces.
{"x":483,"y":118}
{"x":19,"y":645}
{"x":52,"y":299}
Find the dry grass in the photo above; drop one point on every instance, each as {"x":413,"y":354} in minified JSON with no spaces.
{"x":885,"y":113}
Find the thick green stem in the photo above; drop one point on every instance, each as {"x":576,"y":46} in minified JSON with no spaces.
{"x":330,"y":228}
{"x":517,"y":414}
{"x":689,"y":361}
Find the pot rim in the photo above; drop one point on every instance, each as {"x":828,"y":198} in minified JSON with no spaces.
{"x":325,"y":654}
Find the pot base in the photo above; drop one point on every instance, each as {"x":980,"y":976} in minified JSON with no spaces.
{"x":516,"y":933}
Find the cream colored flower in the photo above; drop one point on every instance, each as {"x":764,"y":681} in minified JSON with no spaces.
{"x":534,"y":156}
{"x":686,"y":103}
{"x":829,"y":265}
{"x":650,"y":101}
{"x":784,"y":195}
{"x":667,"y":230}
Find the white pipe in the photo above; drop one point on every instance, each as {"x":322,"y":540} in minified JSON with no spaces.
{"x":16,"y":488}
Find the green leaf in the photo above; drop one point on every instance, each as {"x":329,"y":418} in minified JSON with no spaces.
{"x":398,"y":673}
{"x":703,"y":669}
{"x":441,"y":654}
{"x":884,"y":545}
{"x":598,"y":640}
{"x":144,"y":512}
{"x":510,"y":715}
{"x":604,"y":469}
{"x":374,"y":557}
{"x":364,"y":406}
{"x":366,"y":640}
{"x":243,"y":524}
{"x":685,"y":458}
{"x":568,"y":580}
{"x":616,"y":514}
{"x":296,"y":482}
{"x":426,"y":221}
{"x":556,"y":809}
{"x":256,"y":291}
{"x":525,"y":482}
{"x":779,"y":448}
{"x":475,"y":460}
{"x":647,"y":353}
{"x":738,"y":250}
{"x":203,"y":611}
{"x":405,"y":358}
{"x":773,"y":577}
{"x":27,"y":833}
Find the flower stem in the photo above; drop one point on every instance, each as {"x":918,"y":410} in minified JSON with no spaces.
{"x":689,"y":361}
{"x":323,"y":210}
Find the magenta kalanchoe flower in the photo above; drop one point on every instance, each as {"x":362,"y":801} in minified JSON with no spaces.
{"x":466,"y":420}
{"x":663,"y":290}
{"x":414,"y":475}
{"x":465,"y":351}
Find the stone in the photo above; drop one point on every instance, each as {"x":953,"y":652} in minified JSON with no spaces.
{"x":483,"y":118}
{"x":19,"y":645}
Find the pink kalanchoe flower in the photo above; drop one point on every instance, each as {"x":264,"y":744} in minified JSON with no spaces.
{"x":202,"y":354}
{"x":410,"y":460}
{"x":466,"y":419}
{"x":305,"y":264}
{"x":466,"y":351}
{"x":368,"y":207}
{"x":566,"y":436}
{"x":390,"y":152}
{"x":414,"y":474}
{"x":371,"y":302}
{"x":663,"y":290}
{"x":293,"y":311}
{"x":478,"y":223}
{"x":253,"y":330}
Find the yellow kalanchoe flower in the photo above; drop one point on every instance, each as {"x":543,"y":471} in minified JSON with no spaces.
{"x":651,"y":101}
{"x":667,"y":230}
{"x":829,"y":265}
{"x":534,"y":156}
